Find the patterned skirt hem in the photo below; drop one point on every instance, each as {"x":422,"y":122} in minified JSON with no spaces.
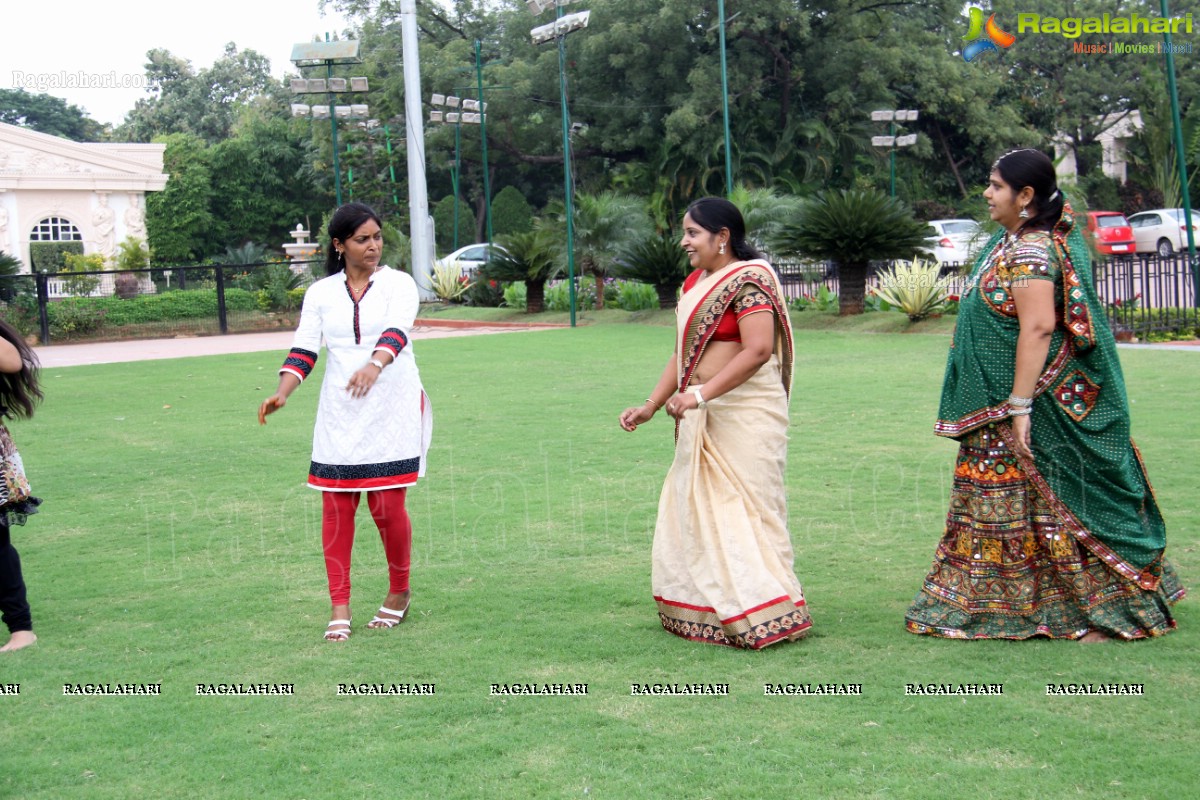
{"x":780,"y":621}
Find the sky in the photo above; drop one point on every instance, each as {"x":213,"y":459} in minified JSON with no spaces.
{"x":105,"y":43}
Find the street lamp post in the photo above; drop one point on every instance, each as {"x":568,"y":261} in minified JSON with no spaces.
{"x":558,"y":31}
{"x":892,"y":141}
{"x":328,"y":53}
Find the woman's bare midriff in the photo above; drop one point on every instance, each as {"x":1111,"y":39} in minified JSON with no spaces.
{"x":715,"y":357}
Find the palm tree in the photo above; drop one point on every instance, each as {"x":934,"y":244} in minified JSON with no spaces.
{"x":659,"y":261}
{"x":527,"y":257}
{"x":764,"y":210}
{"x":605,"y":224}
{"x":852,"y":227}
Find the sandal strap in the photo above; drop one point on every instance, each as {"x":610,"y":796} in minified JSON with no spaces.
{"x":395,"y":612}
{"x":333,"y":622}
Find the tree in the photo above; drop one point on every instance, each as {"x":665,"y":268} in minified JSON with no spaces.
{"x":511,"y":212}
{"x":179,"y":218}
{"x":852,"y":227}
{"x":443,"y":223}
{"x":48,"y":114}
{"x":604,"y":224}
{"x":203,"y":102}
{"x":658,"y":261}
{"x":527,"y":257}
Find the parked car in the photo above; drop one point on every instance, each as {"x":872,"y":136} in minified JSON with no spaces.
{"x":952,"y":240}
{"x":469,"y":258}
{"x":1111,"y":232}
{"x":1162,"y":231}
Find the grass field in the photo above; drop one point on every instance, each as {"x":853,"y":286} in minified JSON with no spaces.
{"x":178,"y":545}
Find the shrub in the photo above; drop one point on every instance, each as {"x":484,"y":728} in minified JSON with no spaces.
{"x":70,"y":319}
{"x":81,"y":285}
{"x":514,"y":295}
{"x":914,"y":286}
{"x":511,"y":212}
{"x":634,"y":296}
{"x":51,"y":256}
{"x":485,"y":293}
{"x":448,"y":281}
{"x":558,"y":296}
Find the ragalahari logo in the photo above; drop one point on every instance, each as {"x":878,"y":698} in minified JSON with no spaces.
{"x":995,"y":38}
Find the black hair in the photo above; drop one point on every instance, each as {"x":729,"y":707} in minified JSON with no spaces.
{"x":345,"y":221}
{"x":715,"y":213}
{"x":19,"y":391}
{"x":1033,"y":168}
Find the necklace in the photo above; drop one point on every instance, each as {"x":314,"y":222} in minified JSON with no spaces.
{"x":1001,"y":254}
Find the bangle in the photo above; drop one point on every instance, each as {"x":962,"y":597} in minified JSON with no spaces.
{"x":376,"y":362}
{"x":700,"y":401}
{"x":1019,"y":402}
{"x":1020,"y":412}
{"x":650,"y":400}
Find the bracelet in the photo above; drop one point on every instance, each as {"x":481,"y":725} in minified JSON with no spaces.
{"x":650,"y":400}
{"x":1020,"y":412}
{"x":376,"y":362}
{"x":1019,"y":402}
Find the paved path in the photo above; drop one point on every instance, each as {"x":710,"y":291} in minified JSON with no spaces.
{"x":72,"y":355}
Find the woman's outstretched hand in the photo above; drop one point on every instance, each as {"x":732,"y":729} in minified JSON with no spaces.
{"x":270,"y":406}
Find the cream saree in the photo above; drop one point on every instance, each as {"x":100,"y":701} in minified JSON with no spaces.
{"x":722,"y":557}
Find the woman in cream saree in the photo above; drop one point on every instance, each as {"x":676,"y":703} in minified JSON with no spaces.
{"x":722,"y":556}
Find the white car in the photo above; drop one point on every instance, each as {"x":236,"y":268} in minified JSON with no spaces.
{"x":1161,"y":231}
{"x":469,"y":258}
{"x":952,"y":240}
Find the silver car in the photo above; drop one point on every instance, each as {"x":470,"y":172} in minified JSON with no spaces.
{"x":952,"y":240}
{"x":1161,"y":230}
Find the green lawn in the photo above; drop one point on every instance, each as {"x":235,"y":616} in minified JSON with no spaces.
{"x":178,"y":544}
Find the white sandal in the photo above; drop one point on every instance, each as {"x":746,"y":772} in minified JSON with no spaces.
{"x":339,"y":634}
{"x":385,"y":623}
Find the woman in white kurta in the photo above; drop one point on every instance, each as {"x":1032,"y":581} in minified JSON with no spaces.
{"x":373,"y":420}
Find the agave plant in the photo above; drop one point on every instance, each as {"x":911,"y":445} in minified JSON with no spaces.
{"x":527,"y":257}
{"x":658,"y":261}
{"x":914,"y":286}
{"x":448,"y":281}
{"x":852,"y":227}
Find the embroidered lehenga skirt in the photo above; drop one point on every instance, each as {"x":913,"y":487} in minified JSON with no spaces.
{"x":722,"y":557}
{"x":1007,"y":568}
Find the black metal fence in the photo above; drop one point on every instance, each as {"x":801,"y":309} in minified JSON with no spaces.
{"x":1142,"y":294}
{"x":200,"y":300}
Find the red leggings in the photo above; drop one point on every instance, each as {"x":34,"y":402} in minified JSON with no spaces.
{"x":337,"y":535}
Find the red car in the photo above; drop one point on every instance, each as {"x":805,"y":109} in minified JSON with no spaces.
{"x":1111,"y":232}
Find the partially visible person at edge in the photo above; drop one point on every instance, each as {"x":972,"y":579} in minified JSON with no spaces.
{"x":374,"y":420}
{"x":1053,"y":528}
{"x":19,"y":394}
{"x":722,"y":557}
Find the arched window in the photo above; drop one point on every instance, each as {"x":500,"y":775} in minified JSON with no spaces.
{"x":55,"y":229}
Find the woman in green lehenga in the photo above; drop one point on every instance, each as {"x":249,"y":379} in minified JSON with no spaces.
{"x":1053,"y":528}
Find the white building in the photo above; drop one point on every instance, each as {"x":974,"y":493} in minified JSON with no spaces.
{"x":54,"y":189}
{"x":1113,"y":145}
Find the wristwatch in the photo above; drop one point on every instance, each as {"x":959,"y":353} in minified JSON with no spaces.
{"x":700,"y":401}
{"x":377,"y":363}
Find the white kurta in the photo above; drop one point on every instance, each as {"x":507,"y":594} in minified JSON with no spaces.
{"x":379,"y":441}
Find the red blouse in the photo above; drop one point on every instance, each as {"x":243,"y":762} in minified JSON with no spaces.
{"x":749,"y":300}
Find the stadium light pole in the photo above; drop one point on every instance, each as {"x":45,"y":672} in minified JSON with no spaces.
{"x":892,"y":141}
{"x":327,"y":53}
{"x":558,"y":31}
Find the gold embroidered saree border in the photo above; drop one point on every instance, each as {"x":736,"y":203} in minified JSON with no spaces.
{"x":773,"y":621}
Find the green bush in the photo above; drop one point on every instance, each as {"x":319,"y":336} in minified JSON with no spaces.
{"x":81,"y":285}
{"x":51,"y":256}
{"x":514,"y":295}
{"x":69,"y":320}
{"x":634,"y":296}
{"x":511,"y":212}
{"x":165,"y":307}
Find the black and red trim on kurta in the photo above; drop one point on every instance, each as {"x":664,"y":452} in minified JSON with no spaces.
{"x":299,"y":362}
{"x":393,"y":340}
{"x":364,"y":476}
{"x":356,"y":301}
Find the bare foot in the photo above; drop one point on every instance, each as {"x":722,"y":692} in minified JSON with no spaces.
{"x":18,"y":641}
{"x":396,"y":600}
{"x":338,"y":629}
{"x":1094,"y":637}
